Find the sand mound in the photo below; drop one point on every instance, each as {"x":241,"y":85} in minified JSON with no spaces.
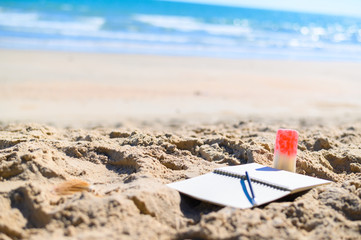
{"x":127,"y":170}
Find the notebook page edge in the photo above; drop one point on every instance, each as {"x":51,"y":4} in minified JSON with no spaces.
{"x":292,"y":186}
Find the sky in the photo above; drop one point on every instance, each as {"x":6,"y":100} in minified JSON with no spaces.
{"x":333,"y":7}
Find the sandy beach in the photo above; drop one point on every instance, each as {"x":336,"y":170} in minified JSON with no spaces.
{"x":123,"y":126}
{"x":127,"y":170}
{"x":80,"y":89}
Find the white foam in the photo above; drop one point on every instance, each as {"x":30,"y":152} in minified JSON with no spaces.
{"x":218,"y":41}
{"x":32,"y":21}
{"x":119,"y":35}
{"x":83,"y":27}
{"x":81,"y":45}
{"x":339,"y":37}
{"x":189,"y":24}
{"x":16,"y":19}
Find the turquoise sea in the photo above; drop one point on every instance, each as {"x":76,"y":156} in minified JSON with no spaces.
{"x":175,"y":28}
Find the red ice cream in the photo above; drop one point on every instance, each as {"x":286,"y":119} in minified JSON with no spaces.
{"x":286,"y":149}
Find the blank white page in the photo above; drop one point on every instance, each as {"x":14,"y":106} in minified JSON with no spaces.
{"x":228,"y":191}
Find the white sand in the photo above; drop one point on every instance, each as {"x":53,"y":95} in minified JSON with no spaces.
{"x":82,"y":88}
{"x":127,"y":167}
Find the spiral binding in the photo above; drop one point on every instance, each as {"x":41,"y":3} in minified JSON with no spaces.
{"x":240,"y":176}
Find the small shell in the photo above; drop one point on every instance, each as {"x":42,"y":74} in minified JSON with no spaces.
{"x":72,"y":186}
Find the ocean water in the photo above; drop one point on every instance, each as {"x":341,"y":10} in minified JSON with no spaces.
{"x":174,"y":28}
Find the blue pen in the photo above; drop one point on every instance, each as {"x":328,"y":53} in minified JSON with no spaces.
{"x":250,"y":185}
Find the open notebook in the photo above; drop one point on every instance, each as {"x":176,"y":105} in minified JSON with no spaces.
{"x":228,"y":186}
